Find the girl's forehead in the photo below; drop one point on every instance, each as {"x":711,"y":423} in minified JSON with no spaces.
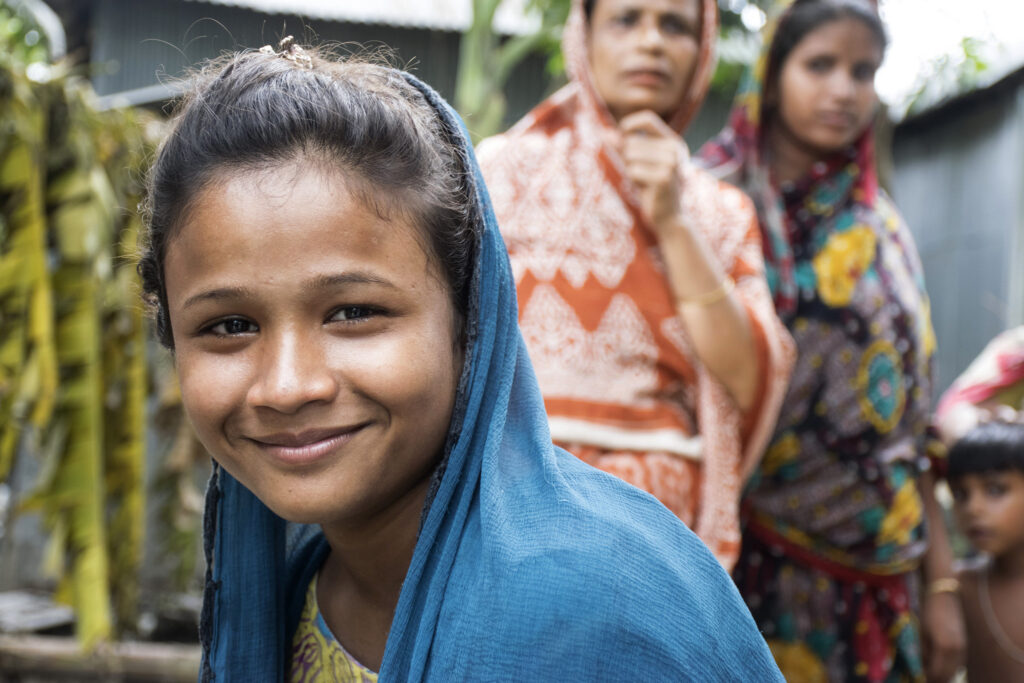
{"x":307,"y":185}
{"x":280,"y":218}
{"x":841,"y":33}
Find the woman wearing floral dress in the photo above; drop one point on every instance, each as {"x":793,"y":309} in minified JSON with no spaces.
{"x":640,"y":278}
{"x":835,"y":518}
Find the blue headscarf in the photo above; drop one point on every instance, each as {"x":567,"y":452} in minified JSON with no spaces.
{"x":529,"y":564}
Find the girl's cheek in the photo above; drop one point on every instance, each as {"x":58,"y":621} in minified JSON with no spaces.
{"x":209,"y":383}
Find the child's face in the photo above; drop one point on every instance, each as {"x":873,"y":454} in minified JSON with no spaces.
{"x":314,"y":343}
{"x":827,"y":85}
{"x":989,"y":508}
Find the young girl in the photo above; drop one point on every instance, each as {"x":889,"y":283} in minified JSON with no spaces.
{"x":325,"y":266}
{"x":986,"y":475}
{"x":835,"y":516}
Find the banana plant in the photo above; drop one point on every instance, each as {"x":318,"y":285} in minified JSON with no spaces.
{"x":73,"y":362}
{"x":28,"y":361}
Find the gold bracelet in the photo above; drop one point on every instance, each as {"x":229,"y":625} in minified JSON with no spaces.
{"x":714,"y":296}
{"x":946,"y":585}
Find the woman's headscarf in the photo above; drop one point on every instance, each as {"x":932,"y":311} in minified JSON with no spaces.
{"x":996,"y":375}
{"x":529,"y":565}
{"x":846,"y":182}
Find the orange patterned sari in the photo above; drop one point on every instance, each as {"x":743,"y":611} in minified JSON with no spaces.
{"x":622,"y":386}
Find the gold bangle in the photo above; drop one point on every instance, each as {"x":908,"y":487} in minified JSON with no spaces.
{"x":714,"y":296}
{"x":947,"y":585}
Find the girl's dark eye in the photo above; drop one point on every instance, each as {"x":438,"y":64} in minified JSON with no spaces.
{"x":820,"y":65}
{"x":231,"y":327}
{"x":348,"y":314}
{"x":995,"y":489}
{"x":864,"y":71}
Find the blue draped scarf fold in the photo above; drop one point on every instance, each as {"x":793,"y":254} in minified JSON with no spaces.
{"x":529,"y":564}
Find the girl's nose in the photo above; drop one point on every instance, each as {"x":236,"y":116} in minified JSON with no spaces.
{"x":294,"y":372}
{"x":843,"y":85}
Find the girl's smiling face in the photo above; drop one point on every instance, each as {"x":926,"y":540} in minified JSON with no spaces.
{"x":315,"y":343}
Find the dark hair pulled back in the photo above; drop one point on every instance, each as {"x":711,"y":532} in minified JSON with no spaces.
{"x":255,"y":109}
{"x":804,"y":16}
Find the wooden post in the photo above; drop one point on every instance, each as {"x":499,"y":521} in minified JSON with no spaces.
{"x":62,"y":658}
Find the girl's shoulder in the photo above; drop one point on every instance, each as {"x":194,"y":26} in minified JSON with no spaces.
{"x":620,"y":576}
{"x":969,"y":572}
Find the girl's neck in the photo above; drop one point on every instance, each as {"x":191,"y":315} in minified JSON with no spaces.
{"x":1009,"y":565}
{"x":788,"y":158}
{"x":372,"y":558}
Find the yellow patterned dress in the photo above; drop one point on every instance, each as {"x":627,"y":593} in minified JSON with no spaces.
{"x":317,"y":657}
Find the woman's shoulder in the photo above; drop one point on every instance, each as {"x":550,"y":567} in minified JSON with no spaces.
{"x":551,"y":115}
{"x":723,"y":213}
{"x":724,"y":196}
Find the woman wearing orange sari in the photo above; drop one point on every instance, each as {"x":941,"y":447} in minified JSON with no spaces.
{"x":640,"y":277}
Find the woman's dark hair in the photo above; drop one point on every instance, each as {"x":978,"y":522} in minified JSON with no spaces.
{"x":588,"y":8}
{"x":256,"y":109}
{"x":991,"y":446}
{"x":805,"y":16}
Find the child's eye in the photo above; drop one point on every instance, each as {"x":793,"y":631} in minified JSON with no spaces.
{"x":995,"y":489}
{"x":230,"y":327}
{"x":351,"y":314}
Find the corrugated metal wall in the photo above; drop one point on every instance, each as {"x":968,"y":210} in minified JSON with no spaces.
{"x":138,"y":43}
{"x":959,"y":181}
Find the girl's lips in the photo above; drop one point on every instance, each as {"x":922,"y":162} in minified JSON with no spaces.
{"x":304,"y":448}
{"x":836,"y":119}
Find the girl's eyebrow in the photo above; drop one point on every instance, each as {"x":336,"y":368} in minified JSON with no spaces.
{"x":357,"y":277}
{"x":319,"y":282}
{"x":218,"y":294}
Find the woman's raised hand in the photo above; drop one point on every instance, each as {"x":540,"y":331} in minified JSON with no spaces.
{"x":654,"y":156}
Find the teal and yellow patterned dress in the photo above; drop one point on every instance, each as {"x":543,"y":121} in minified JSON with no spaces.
{"x":317,"y":657}
{"x":833,"y":518}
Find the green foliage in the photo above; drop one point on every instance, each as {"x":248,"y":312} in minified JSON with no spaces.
{"x":486,"y":60}
{"x":21,"y":40}
{"x":738,"y":42}
{"x":949,"y":75}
